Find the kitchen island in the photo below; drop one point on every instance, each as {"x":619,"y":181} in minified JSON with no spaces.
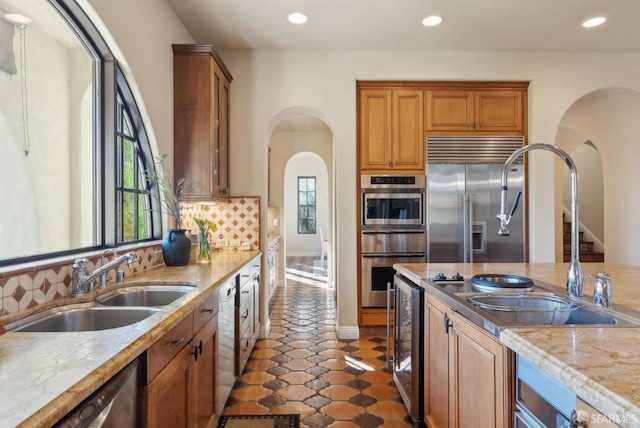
{"x":600,"y":364}
{"x":45,"y":375}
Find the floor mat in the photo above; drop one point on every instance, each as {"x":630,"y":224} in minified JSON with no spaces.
{"x":259,"y":421}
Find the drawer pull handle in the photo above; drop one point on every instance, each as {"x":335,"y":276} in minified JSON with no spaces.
{"x":177,"y":342}
{"x":245,"y":292}
{"x":244,"y":317}
{"x":245,"y":275}
{"x":208,"y":310}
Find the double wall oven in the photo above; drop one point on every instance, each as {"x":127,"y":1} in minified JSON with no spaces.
{"x":392,"y":230}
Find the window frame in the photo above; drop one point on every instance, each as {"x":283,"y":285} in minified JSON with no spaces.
{"x":314,"y":205}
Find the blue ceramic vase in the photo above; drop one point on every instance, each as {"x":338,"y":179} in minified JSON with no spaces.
{"x":176,"y":247}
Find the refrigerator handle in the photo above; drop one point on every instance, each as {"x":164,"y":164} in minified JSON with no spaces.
{"x":467,"y":224}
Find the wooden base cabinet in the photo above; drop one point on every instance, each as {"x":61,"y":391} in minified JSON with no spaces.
{"x":468,"y":373}
{"x":180,"y":376}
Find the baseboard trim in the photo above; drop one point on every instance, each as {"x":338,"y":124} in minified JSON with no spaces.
{"x":265,"y":330}
{"x":347,"y":332}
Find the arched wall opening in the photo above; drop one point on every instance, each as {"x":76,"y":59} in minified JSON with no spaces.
{"x":604,"y":122}
{"x":299,"y":135}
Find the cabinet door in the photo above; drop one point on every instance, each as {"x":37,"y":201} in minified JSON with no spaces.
{"x":436,"y":406}
{"x":193,"y":104}
{"x":477,"y":378}
{"x":205,"y":375}
{"x":408,"y":130}
{"x":498,"y":111}
{"x":375,"y":129}
{"x":167,"y":401}
{"x":220,"y":173}
{"x":449,"y":110}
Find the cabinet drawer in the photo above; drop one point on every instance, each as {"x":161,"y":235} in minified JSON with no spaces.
{"x":161,"y":352}
{"x":205,"y":311}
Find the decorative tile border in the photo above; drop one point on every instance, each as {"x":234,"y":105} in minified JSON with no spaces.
{"x":27,"y":287}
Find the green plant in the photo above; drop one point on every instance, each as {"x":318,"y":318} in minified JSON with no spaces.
{"x":204,"y":246}
{"x":172,"y":197}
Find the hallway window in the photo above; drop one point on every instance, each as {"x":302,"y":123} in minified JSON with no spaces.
{"x":306,"y":205}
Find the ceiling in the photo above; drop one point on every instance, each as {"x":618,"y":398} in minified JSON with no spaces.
{"x":387,"y":25}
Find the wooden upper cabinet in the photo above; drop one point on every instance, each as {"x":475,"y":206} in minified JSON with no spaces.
{"x":201,"y":85}
{"x":391,"y":131}
{"x":408,"y":141}
{"x":463,"y":111}
{"x":449,"y":110}
{"x":375,"y":129}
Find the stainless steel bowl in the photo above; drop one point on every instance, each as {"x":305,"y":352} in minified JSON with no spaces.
{"x":525,"y":309}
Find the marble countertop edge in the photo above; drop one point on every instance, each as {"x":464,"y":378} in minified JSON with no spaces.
{"x":594,"y":393}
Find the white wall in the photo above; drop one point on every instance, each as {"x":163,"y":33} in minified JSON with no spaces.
{"x":591,"y":182}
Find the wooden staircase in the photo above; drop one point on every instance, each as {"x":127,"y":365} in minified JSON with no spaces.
{"x":587,"y":254}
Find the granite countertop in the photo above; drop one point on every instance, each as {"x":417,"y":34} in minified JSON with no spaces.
{"x":45,"y":375}
{"x":601,"y":365}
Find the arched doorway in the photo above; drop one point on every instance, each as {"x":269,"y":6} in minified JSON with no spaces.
{"x":301,"y":145}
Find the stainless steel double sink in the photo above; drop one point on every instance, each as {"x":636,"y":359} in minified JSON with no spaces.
{"x":117,"y":308}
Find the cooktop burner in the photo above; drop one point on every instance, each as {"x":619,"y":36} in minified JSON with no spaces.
{"x":442,"y":278}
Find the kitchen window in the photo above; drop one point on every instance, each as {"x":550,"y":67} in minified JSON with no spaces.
{"x":73,"y":142}
{"x":306,"y":205}
{"x":133,"y":200}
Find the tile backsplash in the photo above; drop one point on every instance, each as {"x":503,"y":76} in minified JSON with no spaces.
{"x":237,"y":221}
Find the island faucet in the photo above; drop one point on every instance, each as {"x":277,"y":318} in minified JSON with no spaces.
{"x":575,"y":277}
{"x":82,"y":281}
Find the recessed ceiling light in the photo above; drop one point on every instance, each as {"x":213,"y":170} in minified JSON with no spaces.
{"x":432,"y":20}
{"x":594,"y":22}
{"x":298,"y":18}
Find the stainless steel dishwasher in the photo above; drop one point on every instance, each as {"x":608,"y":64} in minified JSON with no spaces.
{"x":113,"y":405}
{"x":226,"y":341}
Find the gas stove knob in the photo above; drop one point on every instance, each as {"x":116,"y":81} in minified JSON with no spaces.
{"x":457,"y":277}
{"x":440,"y":276}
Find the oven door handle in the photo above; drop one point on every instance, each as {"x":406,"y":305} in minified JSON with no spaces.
{"x":392,"y":255}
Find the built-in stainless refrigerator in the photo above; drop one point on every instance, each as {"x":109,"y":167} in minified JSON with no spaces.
{"x":462,"y":202}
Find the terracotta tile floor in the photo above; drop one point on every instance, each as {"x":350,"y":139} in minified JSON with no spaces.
{"x":303,"y":368}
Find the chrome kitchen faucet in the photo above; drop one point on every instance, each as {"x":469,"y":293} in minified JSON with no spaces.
{"x":82,"y":281}
{"x":575,"y":277}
